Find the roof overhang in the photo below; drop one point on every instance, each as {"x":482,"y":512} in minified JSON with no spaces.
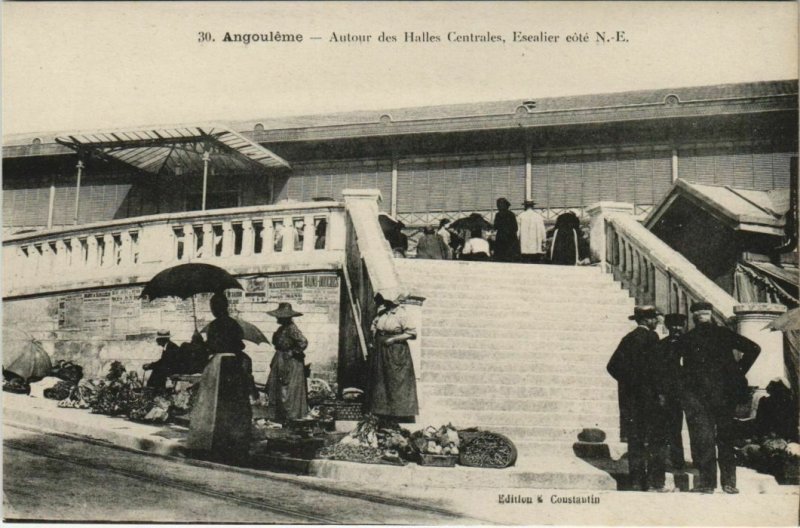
{"x":764,"y":221}
{"x":176,"y":150}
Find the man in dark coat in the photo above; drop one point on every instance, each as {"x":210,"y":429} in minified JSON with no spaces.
{"x":171,"y":361}
{"x":506,"y":243}
{"x":713,"y":383}
{"x":667,"y":367}
{"x":631,"y":365}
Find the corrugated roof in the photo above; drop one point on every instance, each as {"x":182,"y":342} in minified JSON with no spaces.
{"x":544,"y":105}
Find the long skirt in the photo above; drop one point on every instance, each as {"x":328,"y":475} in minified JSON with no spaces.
{"x":392,"y":385}
{"x":286,"y":388}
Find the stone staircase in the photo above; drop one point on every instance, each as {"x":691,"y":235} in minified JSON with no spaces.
{"x":520,"y":349}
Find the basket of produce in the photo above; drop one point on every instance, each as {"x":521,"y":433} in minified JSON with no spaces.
{"x":486,"y":449}
{"x":427,"y":459}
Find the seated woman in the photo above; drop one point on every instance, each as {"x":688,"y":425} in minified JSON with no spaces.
{"x":476,"y":248}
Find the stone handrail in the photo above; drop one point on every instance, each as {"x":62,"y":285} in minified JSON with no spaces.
{"x":129,"y":251}
{"x":657,"y":274}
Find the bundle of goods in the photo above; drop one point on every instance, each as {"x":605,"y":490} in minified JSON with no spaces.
{"x":319,"y":391}
{"x":80,"y":396}
{"x":486,"y":449}
{"x":368,"y":443}
{"x":119,"y":393}
{"x":437,"y":447}
{"x":16,"y":386}
{"x":67,"y":371}
{"x":60,"y":391}
{"x":150,"y":407}
{"x":773,"y":455}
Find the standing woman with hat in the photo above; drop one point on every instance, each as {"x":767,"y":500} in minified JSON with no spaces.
{"x":391,"y":386}
{"x":286,"y":385}
{"x":506,"y":244}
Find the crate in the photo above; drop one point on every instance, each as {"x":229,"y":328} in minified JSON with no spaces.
{"x":342,"y":410}
{"x":426,"y":459}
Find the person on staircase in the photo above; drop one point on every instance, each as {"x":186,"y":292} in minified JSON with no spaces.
{"x":532,"y":234}
{"x":631,"y":366}
{"x":565,"y":246}
{"x":714,"y":383}
{"x":477,"y":247}
{"x":506,"y":243}
{"x":391,"y":386}
{"x":431,"y":245}
{"x":667,"y":364}
{"x":286,"y":384}
{"x":446,"y":236}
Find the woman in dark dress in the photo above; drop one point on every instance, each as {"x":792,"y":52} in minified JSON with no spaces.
{"x":392,"y":386}
{"x":566,"y":239}
{"x":286,"y":385}
{"x":506,"y":243}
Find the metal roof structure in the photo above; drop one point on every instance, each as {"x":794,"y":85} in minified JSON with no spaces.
{"x":176,"y":150}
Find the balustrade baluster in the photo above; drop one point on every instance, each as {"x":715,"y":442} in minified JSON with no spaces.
{"x":248,"y":238}
{"x":109,"y":256}
{"x":308,"y":233}
{"x":126,"y":248}
{"x":288,"y":235}
{"x":267,"y":236}
{"x":228,"y":239}
{"x":188,"y":242}
{"x":208,"y":241}
{"x":62,"y":257}
{"x":91,"y":252}
{"x":75,"y":253}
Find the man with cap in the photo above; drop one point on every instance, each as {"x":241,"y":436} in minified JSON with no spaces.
{"x":532,"y":234}
{"x":713,"y":383}
{"x":666,"y":367}
{"x":630,"y":365}
{"x":169,"y":363}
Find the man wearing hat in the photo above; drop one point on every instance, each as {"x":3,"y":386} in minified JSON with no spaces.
{"x":169,"y":363}
{"x":667,"y":362}
{"x":631,"y":366}
{"x":713,"y":383}
{"x":532,"y":234}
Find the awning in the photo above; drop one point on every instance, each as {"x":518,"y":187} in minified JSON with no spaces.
{"x":177,"y":150}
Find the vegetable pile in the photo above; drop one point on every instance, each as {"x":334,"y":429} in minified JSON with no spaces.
{"x":432,"y":441}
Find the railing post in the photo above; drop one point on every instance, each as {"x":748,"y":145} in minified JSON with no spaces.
{"x":108,"y":258}
{"x":752,"y":319}
{"x":228,"y":239}
{"x":91,"y":252}
{"x":208,"y":240}
{"x":75,"y":253}
{"x":189,"y":250}
{"x":126,"y":248}
{"x":287,"y":232}
{"x":598,"y":212}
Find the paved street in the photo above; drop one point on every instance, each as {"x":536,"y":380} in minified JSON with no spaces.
{"x":47,"y":477}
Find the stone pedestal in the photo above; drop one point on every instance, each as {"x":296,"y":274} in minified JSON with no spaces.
{"x":751,"y":322}
{"x":597,"y":226}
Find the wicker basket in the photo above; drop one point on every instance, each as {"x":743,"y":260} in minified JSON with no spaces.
{"x":426,"y":459}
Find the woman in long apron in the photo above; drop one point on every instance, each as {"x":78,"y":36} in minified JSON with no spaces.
{"x":392,"y":385}
{"x":286,"y":385}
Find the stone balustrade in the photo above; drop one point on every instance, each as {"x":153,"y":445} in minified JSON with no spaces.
{"x":286,"y":237}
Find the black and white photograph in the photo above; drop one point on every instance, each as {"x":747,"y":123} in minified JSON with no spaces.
{"x":400,"y":263}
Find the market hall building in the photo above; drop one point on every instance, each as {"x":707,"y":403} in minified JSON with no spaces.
{"x":89,"y":217}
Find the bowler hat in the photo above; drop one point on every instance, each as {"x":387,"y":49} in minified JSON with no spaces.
{"x":162,"y":334}
{"x":701,"y":305}
{"x":284,"y":311}
{"x":643,"y":312}
{"x":674,"y":319}
{"x":528,"y":203}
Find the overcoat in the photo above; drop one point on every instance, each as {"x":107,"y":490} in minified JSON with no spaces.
{"x":286,"y":385}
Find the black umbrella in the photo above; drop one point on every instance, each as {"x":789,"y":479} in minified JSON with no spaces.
{"x":473,"y":221}
{"x":250,"y":332}
{"x":388,"y":224}
{"x":186,"y":280}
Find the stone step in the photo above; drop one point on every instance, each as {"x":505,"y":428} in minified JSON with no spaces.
{"x":619,"y":309}
{"x":427,"y":289}
{"x":462,"y":419}
{"x":561,"y":355}
{"x":526,"y":334}
{"x":533,"y":392}
{"x":490,"y":365}
{"x":455,"y":280}
{"x":544,"y":342}
{"x":500,"y":268}
{"x":576,"y":298}
{"x":492,"y":402}
{"x":517,"y":378}
{"x":534,"y":433}
{"x":532,"y":322}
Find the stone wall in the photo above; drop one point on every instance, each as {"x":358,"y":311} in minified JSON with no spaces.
{"x":98,"y":326}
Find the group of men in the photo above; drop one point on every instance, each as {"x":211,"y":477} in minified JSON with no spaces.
{"x":696,"y":373}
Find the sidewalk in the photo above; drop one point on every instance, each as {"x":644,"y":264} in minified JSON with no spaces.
{"x":539,"y":491}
